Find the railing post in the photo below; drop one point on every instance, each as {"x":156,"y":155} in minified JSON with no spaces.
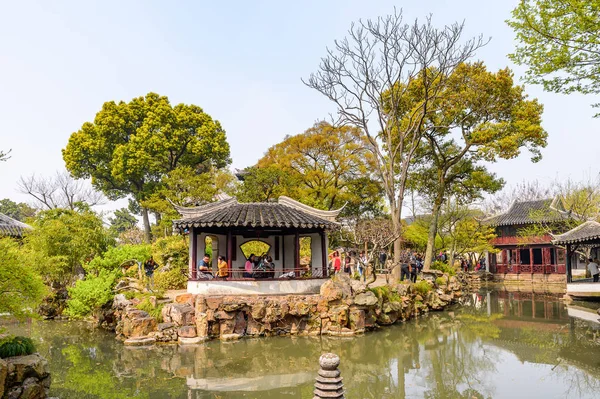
{"x":329,"y":382}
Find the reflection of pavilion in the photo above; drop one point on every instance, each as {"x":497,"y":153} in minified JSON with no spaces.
{"x":278,"y":226}
{"x":250,"y":384}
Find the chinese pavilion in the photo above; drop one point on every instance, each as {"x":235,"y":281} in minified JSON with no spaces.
{"x":280,"y":225}
{"x":532,"y":255}
{"x":10,"y":227}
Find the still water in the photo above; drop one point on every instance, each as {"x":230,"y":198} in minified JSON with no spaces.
{"x":500,"y":345}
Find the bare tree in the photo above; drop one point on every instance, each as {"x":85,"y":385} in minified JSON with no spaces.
{"x":524,"y":191}
{"x":4,"y":156}
{"x":368,"y":74}
{"x":60,"y":191}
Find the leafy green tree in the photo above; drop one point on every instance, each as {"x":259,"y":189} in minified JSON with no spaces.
{"x":19,"y":211}
{"x":91,"y":294}
{"x":130,"y":147}
{"x":63,"y":240}
{"x":21,"y":289}
{"x":482,"y":117}
{"x":325,"y":167}
{"x":114,"y":257}
{"x":121,"y":221}
{"x":558,"y":40}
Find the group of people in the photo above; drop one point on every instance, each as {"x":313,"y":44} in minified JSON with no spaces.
{"x":411,"y":264}
{"x":204,"y":269}
{"x":259,"y":267}
{"x":467,"y":264}
{"x":350,"y":263}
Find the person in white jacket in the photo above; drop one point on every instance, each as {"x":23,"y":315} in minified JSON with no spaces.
{"x":593,"y":268}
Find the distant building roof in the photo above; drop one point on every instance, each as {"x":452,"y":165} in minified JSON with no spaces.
{"x":528,"y":212}
{"x":12,"y":227}
{"x":586,"y":232}
{"x":285,"y":213}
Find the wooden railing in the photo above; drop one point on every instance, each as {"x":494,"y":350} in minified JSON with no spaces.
{"x":531,"y":269}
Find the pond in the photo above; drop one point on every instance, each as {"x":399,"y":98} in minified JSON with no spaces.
{"x":499,"y":345}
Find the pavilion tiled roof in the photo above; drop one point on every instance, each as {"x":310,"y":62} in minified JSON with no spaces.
{"x":286,"y":213}
{"x":528,"y":212}
{"x":12,"y":227}
{"x":585,"y":232}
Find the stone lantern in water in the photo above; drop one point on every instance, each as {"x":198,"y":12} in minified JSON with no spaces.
{"x":329,"y":382}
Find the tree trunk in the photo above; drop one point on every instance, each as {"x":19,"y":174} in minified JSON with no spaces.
{"x":146,"y":219}
{"x":435,"y":213}
{"x":451,"y":256}
{"x":397,"y":225}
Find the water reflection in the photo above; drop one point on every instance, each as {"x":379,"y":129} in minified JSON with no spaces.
{"x":498,"y":345}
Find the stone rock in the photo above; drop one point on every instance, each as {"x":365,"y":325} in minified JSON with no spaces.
{"x":213,"y":302}
{"x":191,"y":341}
{"x":240,"y":324}
{"x":3,"y":375}
{"x":137,"y":323}
{"x":358,"y":287}
{"x":357,"y":319}
{"x":165,"y":326}
{"x":187,"y":332}
{"x":366,"y":298}
{"x":186,"y":298}
{"x":202,"y":324}
{"x":22,"y":367}
{"x":140,"y":341}
{"x":336,"y":288}
{"x":178,"y":314}
{"x":120,"y":301}
{"x":222,"y":315}
{"x":231,"y":337}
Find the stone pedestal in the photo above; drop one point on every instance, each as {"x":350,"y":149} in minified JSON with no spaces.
{"x":329,"y":382}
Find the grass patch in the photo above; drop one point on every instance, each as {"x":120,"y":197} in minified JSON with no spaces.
{"x":154,"y":311}
{"x":422,"y":287}
{"x":384,"y":293}
{"x":440,"y":281}
{"x":443,"y":267}
{"x":16,"y":346}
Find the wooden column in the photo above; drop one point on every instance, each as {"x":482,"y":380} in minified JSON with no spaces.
{"x":324,"y":253}
{"x":194,"y":251}
{"x":568,"y":264}
{"x":229,"y":253}
{"x":296,"y":253}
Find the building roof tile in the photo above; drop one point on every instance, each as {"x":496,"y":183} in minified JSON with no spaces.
{"x":586,"y":232}
{"x":528,"y":212}
{"x":12,"y":227}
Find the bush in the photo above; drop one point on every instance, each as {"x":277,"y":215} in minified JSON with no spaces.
{"x":386,"y":294}
{"x":172,"y":251}
{"x":16,"y":346}
{"x":115,"y":256}
{"x":172,"y":279}
{"x":440,"y":281}
{"x":154,"y":311}
{"x":91,"y":294}
{"x":422,"y":287}
{"x":443,"y":267}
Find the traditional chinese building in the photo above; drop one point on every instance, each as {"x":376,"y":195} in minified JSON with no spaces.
{"x":10,"y":227}
{"x":528,"y":256}
{"x":226,"y":226}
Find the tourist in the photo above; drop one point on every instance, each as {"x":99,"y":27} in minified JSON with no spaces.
{"x":336,"y":262}
{"x":204,"y":268}
{"x":149,"y":267}
{"x":593,"y":268}
{"x":382,"y":259}
{"x":364,"y":262}
{"x":269,"y":267}
{"x":223,"y":267}
{"x":405,"y":268}
{"x":249,"y":266}
{"x":413,"y":267}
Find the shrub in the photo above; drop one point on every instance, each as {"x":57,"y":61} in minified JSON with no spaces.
{"x":422,"y":287}
{"x":16,"y":346}
{"x":440,"y":281}
{"x":172,"y":251}
{"x":91,"y":294}
{"x":384,"y":293}
{"x":443,"y":267}
{"x":115,"y":256}
{"x":154,"y":311}
{"x":172,"y":279}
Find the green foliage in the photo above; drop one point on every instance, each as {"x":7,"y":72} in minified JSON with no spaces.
{"x":441,"y":281}
{"x":154,"y":311}
{"x":443,"y":267}
{"x":115,"y":256}
{"x":130,"y":147}
{"x":172,"y":279}
{"x":172,"y":251}
{"x":91,"y":294}
{"x":122,"y":221}
{"x":558,"y":41}
{"x":386,"y":294}
{"x":63,"y":240}
{"x":255,"y":247}
{"x":324,"y":167}
{"x":19,"y":211}
{"x":16,"y":346}
{"x":423,"y":287}
{"x":21,"y":289}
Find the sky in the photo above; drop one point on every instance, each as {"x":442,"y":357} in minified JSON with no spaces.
{"x":241,"y":61}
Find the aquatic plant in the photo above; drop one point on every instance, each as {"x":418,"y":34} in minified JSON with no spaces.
{"x":16,"y":346}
